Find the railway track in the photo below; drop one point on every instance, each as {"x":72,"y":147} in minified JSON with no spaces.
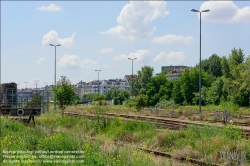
{"x":158,"y":121}
{"x":151,"y":151}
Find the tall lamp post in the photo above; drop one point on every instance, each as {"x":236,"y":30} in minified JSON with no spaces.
{"x":98,"y":78}
{"x":132,"y":59}
{"x":36,"y":84}
{"x":26,"y":85}
{"x":194,"y":10}
{"x":55,"y":69}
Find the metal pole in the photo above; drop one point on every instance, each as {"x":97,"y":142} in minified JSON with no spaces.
{"x":98,"y":82}
{"x":36,"y":84}
{"x":26,"y":85}
{"x":55,"y":79}
{"x":200,"y":69}
{"x":132,"y":77}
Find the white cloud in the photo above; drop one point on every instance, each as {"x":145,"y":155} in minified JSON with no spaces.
{"x":74,"y":61}
{"x":224,"y":11}
{"x":140,"y":55}
{"x":105,"y":66}
{"x":106,"y":51}
{"x":40,"y":61}
{"x":171,"y":58}
{"x":52,"y":7}
{"x":134,"y":19}
{"x":172,"y":38}
{"x":52,"y":38}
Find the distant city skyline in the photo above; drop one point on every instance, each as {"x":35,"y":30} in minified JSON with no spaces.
{"x":102,"y":35}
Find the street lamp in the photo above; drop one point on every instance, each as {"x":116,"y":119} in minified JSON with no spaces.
{"x":55,"y":69}
{"x":26,"y":85}
{"x":36,"y":84}
{"x":98,"y":78}
{"x":132,"y":73}
{"x":194,"y":10}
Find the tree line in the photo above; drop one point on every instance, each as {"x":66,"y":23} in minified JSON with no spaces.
{"x":224,"y":79}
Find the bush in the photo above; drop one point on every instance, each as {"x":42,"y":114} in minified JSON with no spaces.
{"x":130,"y":103}
{"x":165,"y":103}
{"x":141,"y":101}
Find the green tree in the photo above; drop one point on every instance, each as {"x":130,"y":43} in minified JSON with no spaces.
{"x":158,"y":89}
{"x":98,"y":97}
{"x":146,"y":75}
{"x":141,"y":101}
{"x":176,"y":92}
{"x":190,"y":83}
{"x":236,"y":57}
{"x":214,"y":93}
{"x":89,"y":96}
{"x":225,"y":69}
{"x":64,"y":93}
{"x":141,"y":80}
{"x":117,"y":95}
{"x":212,"y":65}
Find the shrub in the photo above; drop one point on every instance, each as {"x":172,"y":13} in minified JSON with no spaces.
{"x":165,"y":103}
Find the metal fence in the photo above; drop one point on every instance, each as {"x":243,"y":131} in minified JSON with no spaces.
{"x":29,"y":102}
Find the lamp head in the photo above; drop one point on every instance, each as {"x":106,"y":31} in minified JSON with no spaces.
{"x":205,"y":10}
{"x":194,"y":10}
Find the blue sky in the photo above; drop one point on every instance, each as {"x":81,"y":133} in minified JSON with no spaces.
{"x":103,"y":35}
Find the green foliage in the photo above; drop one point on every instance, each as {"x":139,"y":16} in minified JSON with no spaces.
{"x":119,"y":96}
{"x":130,"y":103}
{"x":141,"y":80}
{"x":141,"y":101}
{"x":190,"y":84}
{"x":35,"y":102}
{"x":176,"y":94}
{"x":158,"y":88}
{"x":236,"y":57}
{"x":64,"y":93}
{"x":165,"y":103}
{"x":225,"y":69}
{"x":89,"y":96}
{"x":215,"y":92}
{"x":98,"y":97}
{"x":212,"y":65}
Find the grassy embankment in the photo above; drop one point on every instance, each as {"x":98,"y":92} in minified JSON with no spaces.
{"x":53,"y":132}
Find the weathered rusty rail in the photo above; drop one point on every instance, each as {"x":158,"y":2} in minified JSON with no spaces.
{"x":158,"y":121}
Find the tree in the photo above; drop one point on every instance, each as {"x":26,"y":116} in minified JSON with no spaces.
{"x":190,"y":83}
{"x":225,"y":69}
{"x":141,"y":101}
{"x":117,"y":95}
{"x":214,"y":93}
{"x":236,"y":57}
{"x":146,"y":75}
{"x":89,"y":96}
{"x":64,"y":93}
{"x":158,"y":88}
{"x":215,"y":65}
{"x":141,"y":80}
{"x":212,"y":65}
{"x":176,"y":92}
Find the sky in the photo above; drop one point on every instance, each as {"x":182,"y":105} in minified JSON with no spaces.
{"x":102,"y":35}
